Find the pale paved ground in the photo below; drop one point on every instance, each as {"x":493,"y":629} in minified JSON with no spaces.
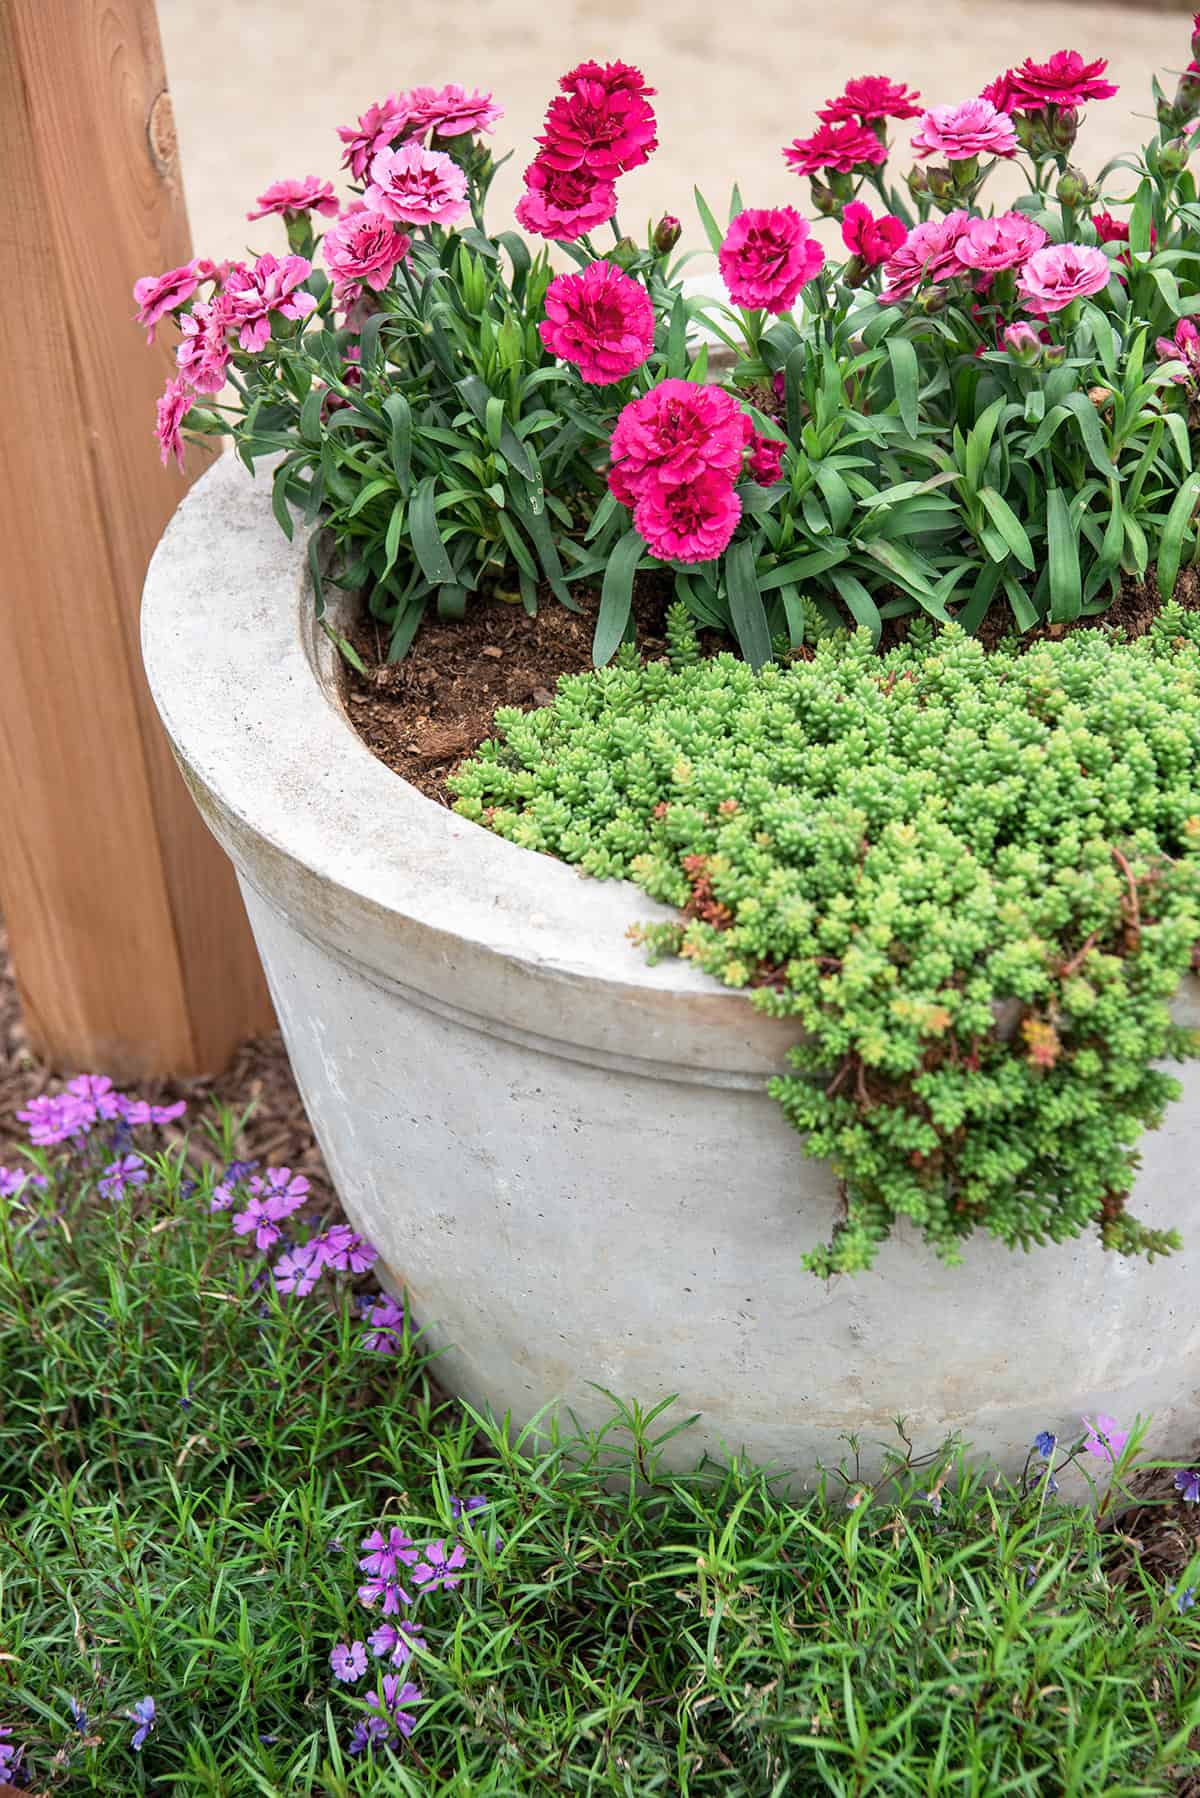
{"x":259,"y":85}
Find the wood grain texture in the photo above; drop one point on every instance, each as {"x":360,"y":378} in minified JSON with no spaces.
{"x":130,"y":943}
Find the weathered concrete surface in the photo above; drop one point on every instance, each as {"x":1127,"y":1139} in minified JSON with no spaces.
{"x":566,"y":1155}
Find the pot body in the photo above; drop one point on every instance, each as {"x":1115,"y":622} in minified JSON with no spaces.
{"x":566,"y":1157}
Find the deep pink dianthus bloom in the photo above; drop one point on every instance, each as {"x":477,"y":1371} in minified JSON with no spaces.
{"x":417,"y":186}
{"x":613,"y":77}
{"x":156,"y":295}
{"x":972,"y":128}
{"x":766,"y":458}
{"x":1004,"y":241}
{"x":1065,"y":80}
{"x":869,"y":98}
{"x":1060,"y":273}
{"x":1109,"y":229}
{"x":171,"y":409}
{"x":928,"y":253}
{"x":202,"y":353}
{"x":344,"y":1250}
{"x":767,"y":256}
{"x":298,"y":1269}
{"x":309,"y":195}
{"x":691,"y":523}
{"x":450,"y":111}
{"x":381,"y":124}
{"x":564,"y":203}
{"x":869,"y":238}
{"x":440,"y":1568}
{"x":362,"y":250}
{"x":348,"y":1661}
{"x":606,"y":130}
{"x":677,"y":432}
{"x":1001,"y":93}
{"x":1183,"y":347}
{"x":842,"y":147}
{"x":601,"y":320}
{"x":1105,"y":1438}
{"x":252,"y":294}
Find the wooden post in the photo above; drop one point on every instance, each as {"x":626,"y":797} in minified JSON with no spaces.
{"x":130,"y":944}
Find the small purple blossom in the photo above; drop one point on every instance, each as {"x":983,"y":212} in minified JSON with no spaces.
{"x":137,"y":1112}
{"x":126,"y":1170}
{"x":1105,"y":1439}
{"x":1045,"y":1442}
{"x":367,"y":1732}
{"x":1044,"y":1477}
{"x":385,"y":1322}
{"x":96,"y":1090}
{"x":440,"y":1568}
{"x":1187,"y":1484}
{"x":394,"y":1596}
{"x":298,"y":1269}
{"x":13,"y":1179}
{"x":383,"y":1556}
{"x":396,"y":1641}
{"x":349,"y":1662}
{"x":1185,"y":1598}
{"x":222,"y":1197}
{"x":392,"y":1699}
{"x":934,"y":1501}
{"x":238,"y":1170}
{"x":10,"y":1754}
{"x":53,"y":1118}
{"x":343,"y":1250}
{"x":79,"y":1717}
{"x":257,"y":1219}
{"x":282,"y":1191}
{"x":463,"y":1506}
{"x":144,"y":1714}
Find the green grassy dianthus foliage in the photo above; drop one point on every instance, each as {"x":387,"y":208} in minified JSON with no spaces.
{"x":188,"y":1463}
{"x":972,"y":880}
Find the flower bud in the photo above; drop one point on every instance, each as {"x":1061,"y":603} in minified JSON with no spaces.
{"x":1172,"y":158}
{"x":624,"y":253}
{"x":823,"y":198}
{"x":855,"y":272}
{"x":1053,"y":354}
{"x":918,"y":185}
{"x":667,"y":233}
{"x":931,"y":301}
{"x":940,"y":182}
{"x":1023,"y":344}
{"x":1063,"y":127}
{"x":1187,"y":94}
{"x":1074,"y":188}
{"x":858,"y":343}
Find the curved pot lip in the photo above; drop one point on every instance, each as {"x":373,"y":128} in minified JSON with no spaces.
{"x":246,"y":685}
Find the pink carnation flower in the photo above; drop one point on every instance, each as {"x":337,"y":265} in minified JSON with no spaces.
{"x":928,"y":253}
{"x":613,"y":77}
{"x":172,"y":409}
{"x":309,"y":195}
{"x":1183,"y":347}
{"x":869,"y":98}
{"x":691,"y":523}
{"x":601,"y":320}
{"x":1109,"y":229}
{"x":380,"y":125}
{"x":601,"y":125}
{"x":869,"y":238}
{"x":1066,"y":80}
{"x":972,"y":128}
{"x":202,"y":353}
{"x":678,"y":432}
{"x":564,"y":203}
{"x":842,"y":147}
{"x":361,"y":250}
{"x":156,"y":295}
{"x":418,"y":186}
{"x":450,"y":111}
{"x":1060,"y":273}
{"x":765,"y":460}
{"x":1005,"y":241}
{"x":767,"y":256}
{"x":252,"y":294}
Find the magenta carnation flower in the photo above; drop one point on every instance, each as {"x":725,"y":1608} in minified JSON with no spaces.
{"x":1066,"y":80}
{"x":767,"y":256}
{"x":1005,"y":241}
{"x":416,"y":185}
{"x":678,"y":432}
{"x":928,"y":253}
{"x":764,"y":464}
{"x":1060,"y":273}
{"x":564,"y":203}
{"x":361,"y":250}
{"x":613,"y":77}
{"x":601,"y":320}
{"x":972,"y":128}
{"x":692,"y":523}
{"x":172,"y":408}
{"x":1183,"y":347}
{"x":156,"y":295}
{"x":869,"y":238}
{"x":869,"y":98}
{"x":842,"y":147}
{"x":381,"y":124}
{"x":270,"y":286}
{"x":450,"y":111}
{"x":603,"y":126}
{"x":309,"y":195}
{"x":202,"y":353}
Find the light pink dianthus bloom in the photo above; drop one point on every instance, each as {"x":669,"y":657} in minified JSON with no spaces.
{"x":252,"y":294}
{"x":870,"y":98}
{"x":928,"y":253}
{"x":417,"y":186}
{"x":972,"y":128}
{"x":450,"y":111}
{"x":564,"y":203}
{"x":1001,"y":242}
{"x":678,"y":432}
{"x":604,"y":123}
{"x":172,"y":409}
{"x":1065,"y":80}
{"x":202,"y":352}
{"x":767,"y":256}
{"x":361,"y":250}
{"x":1060,"y":273}
{"x":690,"y":523}
{"x":381,"y":124}
{"x":157,"y":295}
{"x":869,"y":238}
{"x":309,"y":195}
{"x":601,"y":320}
{"x":842,"y":147}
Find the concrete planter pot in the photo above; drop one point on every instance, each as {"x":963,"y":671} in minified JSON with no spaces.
{"x":566,"y":1156}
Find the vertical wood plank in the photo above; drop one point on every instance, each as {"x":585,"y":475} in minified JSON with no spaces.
{"x":129,"y":940}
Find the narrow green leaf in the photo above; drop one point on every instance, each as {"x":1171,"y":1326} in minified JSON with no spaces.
{"x":1009,"y":526}
{"x":391,"y":541}
{"x":712,"y":230}
{"x":616,"y":597}
{"x":399,"y":415}
{"x":858,"y":601}
{"x":477,"y":395}
{"x":427,"y":543}
{"x":310,"y":417}
{"x":745,"y":605}
{"x":1066,"y":593}
{"x":677,"y":340}
{"x":279,"y":503}
{"x":346,"y":650}
{"x":314,"y":569}
{"x":1179,"y":521}
{"x":905,"y":378}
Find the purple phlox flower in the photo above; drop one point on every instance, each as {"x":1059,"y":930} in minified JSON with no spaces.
{"x":185,"y":1402}
{"x":298,"y":1269}
{"x":138,"y":1112}
{"x":385,"y":1321}
{"x":57,"y":1117}
{"x":1031,"y":1574}
{"x":127,"y":1170}
{"x":349,"y":1662}
{"x":1045,"y":1442}
{"x":238,"y":1170}
{"x":343,"y":1250}
{"x":335,"y":1546}
{"x":459,"y":1506}
{"x":144,"y":1714}
{"x":394,"y":1596}
{"x":383,"y":1556}
{"x":1044,"y":1477}
{"x":282,"y":1191}
{"x":257,"y":1218}
{"x":368,"y":1731}
{"x":79,"y":1717}
{"x":97,"y":1091}
{"x":222,"y":1197}
{"x":1185,"y":1598}
{"x":1187,"y":1484}
{"x":440,"y":1568}
{"x":1105,"y":1438}
{"x":934,"y":1501}
{"x":391,"y":1700}
{"x":396,"y":1641}
{"x":10,"y":1754}
{"x":12,"y":1179}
